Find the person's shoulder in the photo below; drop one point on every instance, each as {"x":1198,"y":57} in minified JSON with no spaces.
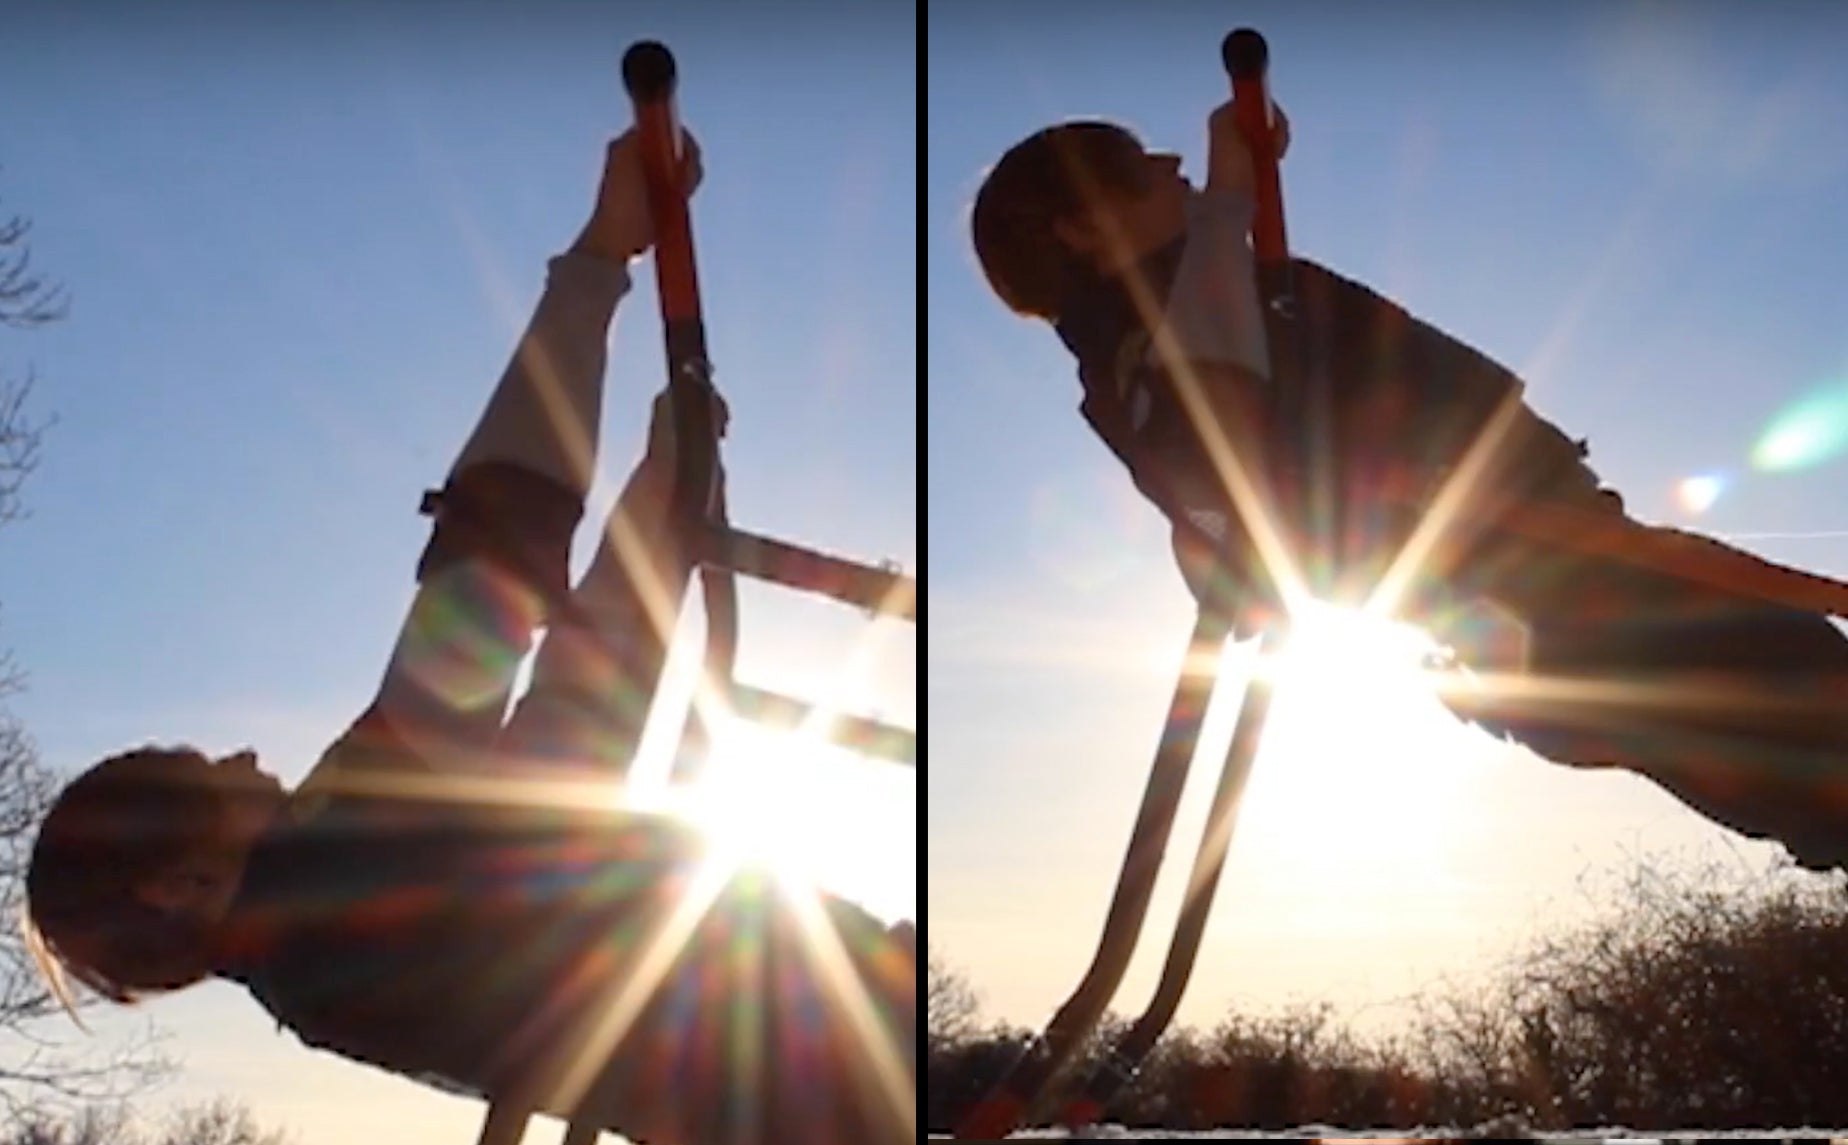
{"x":373,"y":757}
{"x":1311,"y":274}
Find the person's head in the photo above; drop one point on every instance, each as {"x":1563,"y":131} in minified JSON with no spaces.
{"x":1069,"y":205}
{"x":137,"y":864}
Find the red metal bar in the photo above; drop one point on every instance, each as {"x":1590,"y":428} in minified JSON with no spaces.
{"x":878,"y":590}
{"x":862,"y":735}
{"x":650,"y":74}
{"x":1014,"y":1098}
{"x":1304,"y":470}
{"x":1124,"y":1059}
{"x":1304,"y":481}
{"x":1247,"y":61}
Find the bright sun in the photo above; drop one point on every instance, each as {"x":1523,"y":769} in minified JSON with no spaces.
{"x":787,"y":800}
{"x":814,"y":814}
{"x":1361,"y":767}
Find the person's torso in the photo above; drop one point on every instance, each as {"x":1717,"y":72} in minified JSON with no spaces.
{"x":463,"y":949}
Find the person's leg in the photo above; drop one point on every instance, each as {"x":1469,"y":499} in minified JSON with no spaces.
{"x":1733,"y":706}
{"x":597,"y":670}
{"x":497,"y":562}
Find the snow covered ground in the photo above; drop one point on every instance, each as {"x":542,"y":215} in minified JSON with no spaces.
{"x":1496,"y":1133}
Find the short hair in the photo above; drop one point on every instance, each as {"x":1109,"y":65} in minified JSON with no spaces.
{"x":1050,"y":176}
{"x":128,"y":816}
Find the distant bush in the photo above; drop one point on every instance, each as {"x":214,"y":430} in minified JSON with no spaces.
{"x":1299,"y":1067}
{"x":1704,"y":1001}
{"x":220,"y":1122}
{"x":1700,"y":999}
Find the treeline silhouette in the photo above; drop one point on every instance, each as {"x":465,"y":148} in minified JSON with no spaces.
{"x":1701,"y":999}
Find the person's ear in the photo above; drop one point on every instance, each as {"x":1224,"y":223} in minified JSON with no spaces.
{"x":1080,"y":236}
{"x":182,"y":887}
{"x":171,"y":891}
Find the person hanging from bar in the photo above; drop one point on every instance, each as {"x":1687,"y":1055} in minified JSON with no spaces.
{"x":452,"y":893}
{"x":1602,"y":641}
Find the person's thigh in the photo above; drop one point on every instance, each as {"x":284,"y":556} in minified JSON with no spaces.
{"x":446,"y":688}
{"x":1738,"y":712}
{"x":595,"y":676}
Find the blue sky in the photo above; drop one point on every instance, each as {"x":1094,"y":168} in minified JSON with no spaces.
{"x":1636,"y":206}
{"x":299,"y":248}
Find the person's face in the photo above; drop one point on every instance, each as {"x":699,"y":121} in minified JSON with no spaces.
{"x":1140,"y":207}
{"x":204,"y":882}
{"x":251,"y":795}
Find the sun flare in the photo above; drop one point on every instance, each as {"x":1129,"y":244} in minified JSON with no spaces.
{"x":1361,"y":765}
{"x":812,"y":814}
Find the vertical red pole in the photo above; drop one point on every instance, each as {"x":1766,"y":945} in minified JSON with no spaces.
{"x":1305,"y":475}
{"x":651,"y":77}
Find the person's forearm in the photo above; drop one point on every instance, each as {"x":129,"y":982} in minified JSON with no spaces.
{"x":546,"y":409}
{"x":597,"y":240}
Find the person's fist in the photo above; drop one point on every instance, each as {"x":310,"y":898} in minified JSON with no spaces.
{"x":1228,"y":159}
{"x":620,"y":226}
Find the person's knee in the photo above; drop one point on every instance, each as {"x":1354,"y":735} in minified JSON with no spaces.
{"x":520,"y":520}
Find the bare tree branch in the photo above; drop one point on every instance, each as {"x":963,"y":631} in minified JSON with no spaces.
{"x":19,"y":445}
{"x":219,"y":1122}
{"x":951,"y":1003}
{"x":47,"y":1064}
{"x":26,"y":298}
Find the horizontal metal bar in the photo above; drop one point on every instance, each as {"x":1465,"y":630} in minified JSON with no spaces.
{"x":859,"y":734}
{"x":880,"y":590}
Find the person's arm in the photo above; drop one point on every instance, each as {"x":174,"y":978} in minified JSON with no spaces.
{"x":1210,"y":354}
{"x":547,"y":407}
{"x":541,"y":425}
{"x":1213,"y":315}
{"x":545,"y":411}
{"x":1203,"y":382}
